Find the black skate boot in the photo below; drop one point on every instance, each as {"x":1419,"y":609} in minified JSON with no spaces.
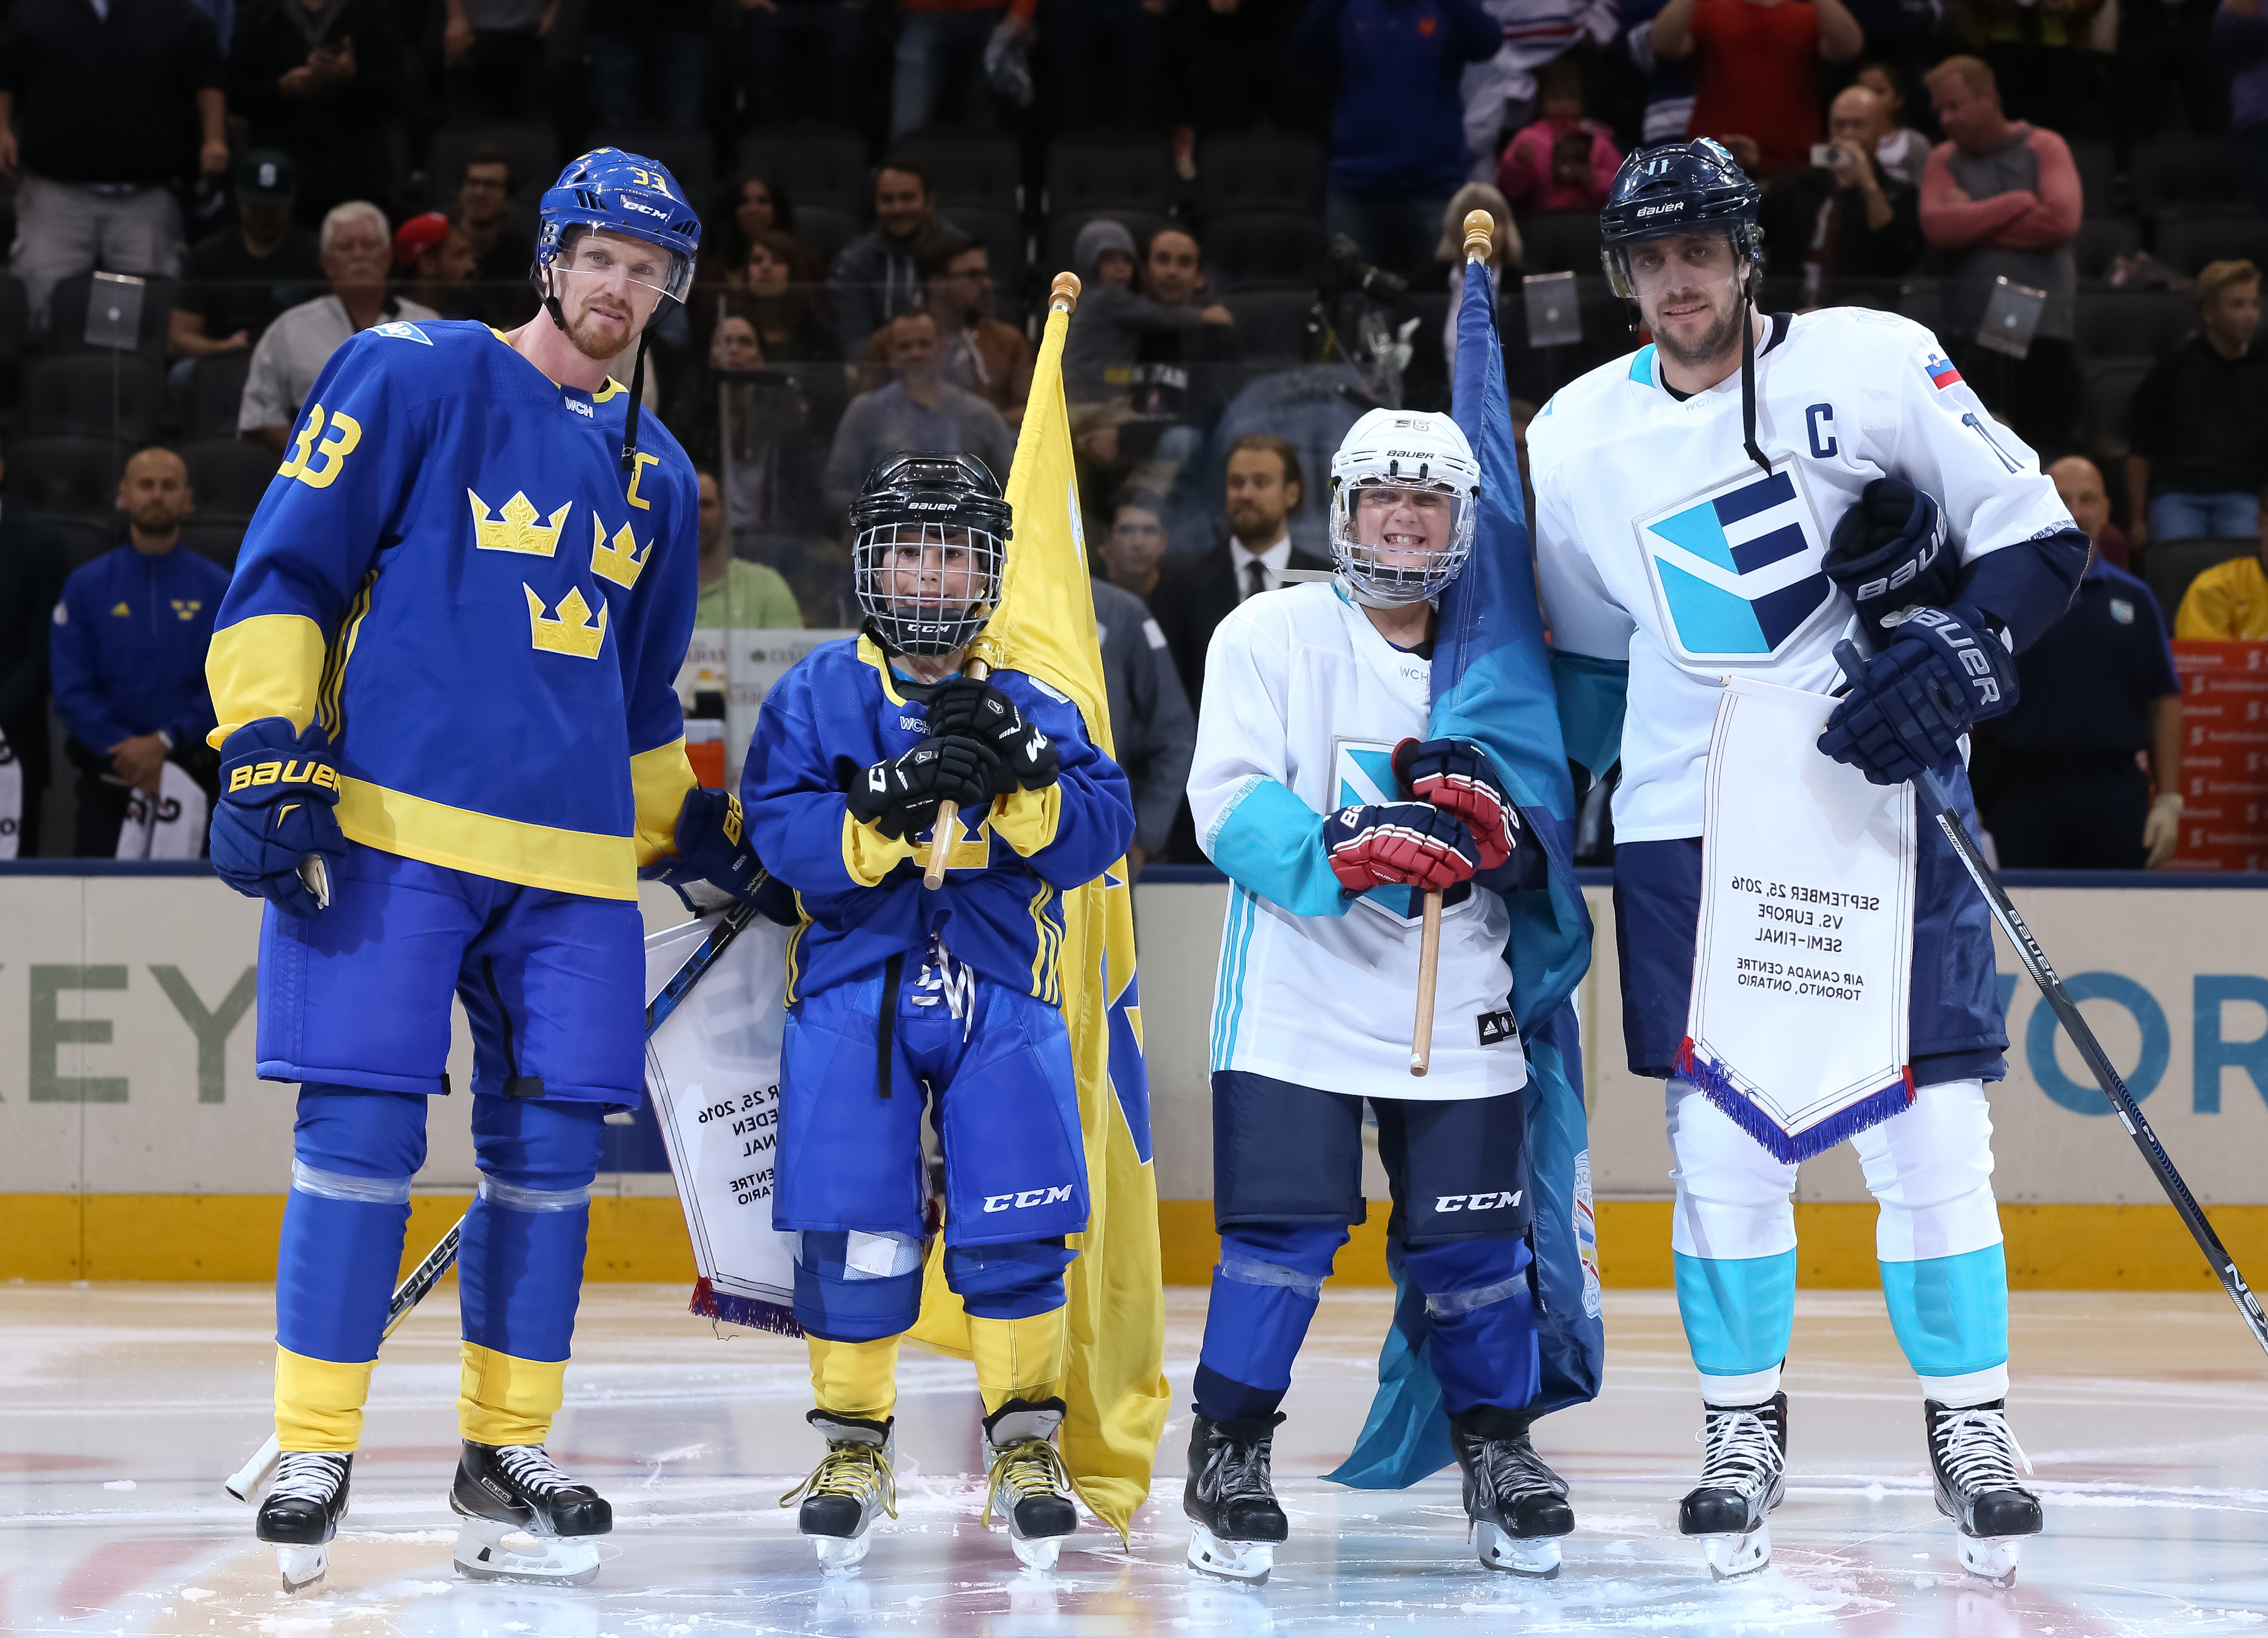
{"x":853,"y":1481}
{"x":504,"y":1490}
{"x":1518,"y":1506}
{"x":1742,"y":1478}
{"x":1973,"y":1458}
{"x":1020,"y":1437}
{"x":301,"y":1513}
{"x":1231,"y":1500}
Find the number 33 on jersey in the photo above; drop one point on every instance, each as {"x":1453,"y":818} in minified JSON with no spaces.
{"x":447,"y":567}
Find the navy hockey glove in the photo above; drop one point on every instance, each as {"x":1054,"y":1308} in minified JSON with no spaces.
{"x":276,"y":792}
{"x":1399,"y":843}
{"x":1454,"y":775}
{"x":966,"y":708}
{"x":1944,"y":669}
{"x":713,"y":851}
{"x":899,"y":797}
{"x":1889,"y":553}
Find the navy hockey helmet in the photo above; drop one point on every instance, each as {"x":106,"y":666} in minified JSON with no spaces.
{"x":937,"y":524}
{"x":1678,"y":188}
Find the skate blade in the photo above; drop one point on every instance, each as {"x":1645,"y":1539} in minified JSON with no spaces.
{"x":1732,"y":1556}
{"x":1037,"y":1552}
{"x":490,"y":1550}
{"x":1992,"y":1558}
{"x":840,"y":1553}
{"x":1536,"y":1556}
{"x":302,"y":1567}
{"x":1246,"y":1562}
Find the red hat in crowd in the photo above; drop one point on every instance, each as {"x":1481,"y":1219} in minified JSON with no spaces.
{"x":417,"y":236}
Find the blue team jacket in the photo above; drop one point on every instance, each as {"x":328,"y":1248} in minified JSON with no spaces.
{"x":859,"y":893}
{"x":128,"y":646}
{"x":453,"y":575}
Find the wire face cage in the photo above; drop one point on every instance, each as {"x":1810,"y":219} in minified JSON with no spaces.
{"x":927,"y":588}
{"x":1398,"y":540}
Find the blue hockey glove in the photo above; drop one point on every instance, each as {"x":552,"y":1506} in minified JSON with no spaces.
{"x":1399,"y":843}
{"x":276,"y":792}
{"x":1889,"y":553}
{"x":712,"y":851}
{"x":1944,"y":669}
{"x":899,"y":797}
{"x":1454,"y":775}
{"x":967,"y":708}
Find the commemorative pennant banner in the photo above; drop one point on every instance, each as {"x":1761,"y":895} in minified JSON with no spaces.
{"x":1797,"y":1025}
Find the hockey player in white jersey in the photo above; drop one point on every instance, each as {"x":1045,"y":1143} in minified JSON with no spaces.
{"x":1714,"y":504}
{"x":1314,"y":790}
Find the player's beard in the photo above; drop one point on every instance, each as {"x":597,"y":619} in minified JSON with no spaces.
{"x":594,"y":341}
{"x":1722,"y":336}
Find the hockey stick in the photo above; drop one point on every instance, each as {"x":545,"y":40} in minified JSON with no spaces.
{"x":245,"y":1483}
{"x":2067,"y":1014}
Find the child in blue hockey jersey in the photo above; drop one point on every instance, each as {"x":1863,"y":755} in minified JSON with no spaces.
{"x":896,"y":993}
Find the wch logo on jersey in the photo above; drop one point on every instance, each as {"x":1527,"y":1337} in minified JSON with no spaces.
{"x":1736,"y":568}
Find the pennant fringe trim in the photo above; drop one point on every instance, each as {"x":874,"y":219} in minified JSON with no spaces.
{"x":753,"y":1313}
{"x":1787,"y":1147}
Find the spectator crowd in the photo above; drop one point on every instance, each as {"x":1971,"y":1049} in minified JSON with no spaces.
{"x":1264,"y":199}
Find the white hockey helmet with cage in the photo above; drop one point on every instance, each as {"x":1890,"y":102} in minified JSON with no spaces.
{"x":929,"y":539}
{"x":1405,"y":493}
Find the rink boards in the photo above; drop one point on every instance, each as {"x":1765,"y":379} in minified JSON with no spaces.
{"x":136,"y":1143}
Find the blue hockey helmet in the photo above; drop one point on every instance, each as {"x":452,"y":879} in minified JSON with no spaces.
{"x":619,"y":192}
{"x":1678,"y":188}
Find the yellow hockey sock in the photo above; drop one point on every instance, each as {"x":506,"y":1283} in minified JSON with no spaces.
{"x":1019,"y":1359}
{"x":319,"y":1402}
{"x":503,"y":1400}
{"x":854,"y":1379}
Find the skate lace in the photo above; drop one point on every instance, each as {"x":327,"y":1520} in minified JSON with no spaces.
{"x":530,"y":1467}
{"x":1238,"y":1470}
{"x":1514,"y":1471}
{"x":306,"y":1476}
{"x":854,"y":1469}
{"x":1741,"y":1453}
{"x":1029,"y":1467}
{"x":1976,"y":1447}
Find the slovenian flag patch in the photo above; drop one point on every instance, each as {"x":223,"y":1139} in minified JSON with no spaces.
{"x":1941,"y":373}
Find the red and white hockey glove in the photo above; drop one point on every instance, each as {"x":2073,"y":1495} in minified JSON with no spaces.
{"x":1456,"y":776}
{"x":1399,"y":845}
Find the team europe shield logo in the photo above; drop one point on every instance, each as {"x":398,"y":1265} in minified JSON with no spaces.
{"x":1362,"y":776}
{"x":1735,"y":569}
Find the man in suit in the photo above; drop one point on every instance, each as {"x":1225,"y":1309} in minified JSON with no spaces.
{"x":33,"y":568}
{"x":1263,"y":486}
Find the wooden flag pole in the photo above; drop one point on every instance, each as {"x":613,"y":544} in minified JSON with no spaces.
{"x":1063,"y":294}
{"x":1480,"y":246}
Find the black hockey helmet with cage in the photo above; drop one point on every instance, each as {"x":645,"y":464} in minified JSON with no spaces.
{"x":1678,"y":188}
{"x":916,"y":500}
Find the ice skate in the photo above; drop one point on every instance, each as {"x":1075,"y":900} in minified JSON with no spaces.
{"x":1027,"y":1477}
{"x":301,"y":1513}
{"x":853,"y":1481}
{"x":524,"y":1518}
{"x":1231,"y":1499}
{"x":1518,"y":1506}
{"x":1742,"y":1478}
{"x":1972,"y":1457}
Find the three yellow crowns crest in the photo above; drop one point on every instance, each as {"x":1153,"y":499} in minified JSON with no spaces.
{"x":518,"y":527}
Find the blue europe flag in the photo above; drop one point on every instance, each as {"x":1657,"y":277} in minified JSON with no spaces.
{"x":1492,"y":686}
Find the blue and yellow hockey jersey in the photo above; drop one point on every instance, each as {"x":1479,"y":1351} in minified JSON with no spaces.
{"x":451,"y":573}
{"x":859,"y":893}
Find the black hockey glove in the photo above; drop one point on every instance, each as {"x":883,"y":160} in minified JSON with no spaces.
{"x":966,"y":708}
{"x":899,"y":797}
{"x":1889,"y":553}
{"x":713,"y":853}
{"x":273,"y":818}
{"x":1944,"y":669}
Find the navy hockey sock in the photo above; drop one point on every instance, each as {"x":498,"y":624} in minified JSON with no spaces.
{"x":1263,"y":1297}
{"x":1482,"y":1316}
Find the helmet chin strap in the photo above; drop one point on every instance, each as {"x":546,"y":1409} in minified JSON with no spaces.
{"x":1748,"y":374}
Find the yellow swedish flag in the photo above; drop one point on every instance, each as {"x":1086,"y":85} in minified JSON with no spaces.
{"x":1115,"y":1388}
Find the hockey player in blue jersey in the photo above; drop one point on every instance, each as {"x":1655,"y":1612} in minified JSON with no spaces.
{"x":896,"y":994}
{"x":449,"y":743}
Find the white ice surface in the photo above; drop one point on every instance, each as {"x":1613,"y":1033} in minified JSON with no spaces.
{"x":2147,"y":1417}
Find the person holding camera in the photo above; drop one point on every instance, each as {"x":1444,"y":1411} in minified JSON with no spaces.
{"x":1844,"y":217}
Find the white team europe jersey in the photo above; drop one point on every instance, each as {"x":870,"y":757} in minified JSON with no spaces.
{"x":1304,"y":703}
{"x":1659,"y":541}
